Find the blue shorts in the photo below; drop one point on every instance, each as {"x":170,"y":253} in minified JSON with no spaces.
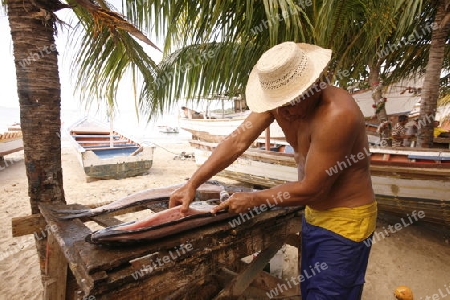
{"x":333,"y":267}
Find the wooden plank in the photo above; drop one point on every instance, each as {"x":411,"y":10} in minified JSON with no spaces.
{"x":106,"y":272}
{"x":95,"y":136}
{"x":203,"y":261}
{"x":94,"y":262}
{"x":27,"y":225}
{"x":55,"y":271}
{"x":36,"y":223}
{"x":263,"y":281}
{"x":438,"y":172}
{"x":294,"y":240}
{"x":106,"y":142}
{"x":239,"y":284}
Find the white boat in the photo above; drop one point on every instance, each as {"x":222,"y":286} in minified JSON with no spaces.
{"x":11,"y":141}
{"x":403,"y":180}
{"x":107,"y":154}
{"x":168,"y":129}
{"x":215,"y":130}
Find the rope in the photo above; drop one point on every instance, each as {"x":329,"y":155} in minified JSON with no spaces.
{"x":164,"y":148}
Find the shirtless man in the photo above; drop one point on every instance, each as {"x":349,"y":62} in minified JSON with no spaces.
{"x":326,"y":128}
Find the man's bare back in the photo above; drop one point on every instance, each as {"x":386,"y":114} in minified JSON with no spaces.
{"x":308,"y":118}
{"x":327,"y":133}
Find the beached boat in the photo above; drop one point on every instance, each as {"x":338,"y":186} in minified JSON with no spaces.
{"x":11,"y":141}
{"x":215,"y":130}
{"x":403,"y":180}
{"x":107,"y":154}
{"x":168,"y":129}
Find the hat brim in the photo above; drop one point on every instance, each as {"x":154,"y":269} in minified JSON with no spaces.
{"x":258,"y":101}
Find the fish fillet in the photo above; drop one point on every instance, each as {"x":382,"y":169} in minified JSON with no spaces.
{"x":159,"y":225}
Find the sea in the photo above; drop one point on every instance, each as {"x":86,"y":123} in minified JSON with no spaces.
{"x":124,"y":122}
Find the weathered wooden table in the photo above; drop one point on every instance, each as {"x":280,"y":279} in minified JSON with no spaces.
{"x":189,"y":265}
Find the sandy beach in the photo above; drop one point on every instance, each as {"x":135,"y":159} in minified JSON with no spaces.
{"x":413,"y":256}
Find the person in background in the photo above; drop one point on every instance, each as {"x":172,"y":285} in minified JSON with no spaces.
{"x":399,"y":131}
{"x":384,"y":132}
{"x":440,"y":132}
{"x":411,"y":133}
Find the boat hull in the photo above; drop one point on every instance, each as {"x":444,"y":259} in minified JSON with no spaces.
{"x":215,"y":130}
{"x":117,"y":167}
{"x":11,"y":141}
{"x":399,"y":189}
{"x":107,"y":154}
{"x":10,"y":146}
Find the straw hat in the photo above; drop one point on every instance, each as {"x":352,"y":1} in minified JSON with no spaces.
{"x":283,"y":73}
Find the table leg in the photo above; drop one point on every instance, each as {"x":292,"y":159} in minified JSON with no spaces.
{"x":55,"y":271}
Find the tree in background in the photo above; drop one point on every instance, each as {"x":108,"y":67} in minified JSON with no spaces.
{"x":430,"y":91}
{"x":370,"y":41}
{"x":107,"y":39}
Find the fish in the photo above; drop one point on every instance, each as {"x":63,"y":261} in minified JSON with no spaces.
{"x":210,"y":190}
{"x":159,"y":225}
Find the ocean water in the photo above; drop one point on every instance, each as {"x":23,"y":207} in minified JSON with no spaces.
{"x":125,"y":122}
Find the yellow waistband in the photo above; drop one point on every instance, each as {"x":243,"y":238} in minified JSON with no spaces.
{"x":355,"y":223}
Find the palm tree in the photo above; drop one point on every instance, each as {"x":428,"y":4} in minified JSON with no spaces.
{"x":239,"y":32}
{"x":107,"y":43}
{"x":39,"y":99}
{"x":430,"y":93}
{"x":373,"y":42}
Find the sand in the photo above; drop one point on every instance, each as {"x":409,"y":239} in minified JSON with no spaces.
{"x":413,"y":256}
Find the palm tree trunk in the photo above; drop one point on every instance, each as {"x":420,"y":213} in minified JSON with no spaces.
{"x":374,"y":82}
{"x":39,"y":90}
{"x":430,"y":91}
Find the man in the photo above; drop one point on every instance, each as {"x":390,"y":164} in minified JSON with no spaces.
{"x":412,"y":128}
{"x":399,"y":131}
{"x":384,"y":131}
{"x":440,"y":132}
{"x":326,"y":128}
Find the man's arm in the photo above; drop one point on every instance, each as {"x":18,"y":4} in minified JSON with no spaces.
{"x":330,"y":144}
{"x":225,"y":154}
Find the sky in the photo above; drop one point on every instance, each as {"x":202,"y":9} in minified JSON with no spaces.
{"x":8,"y":72}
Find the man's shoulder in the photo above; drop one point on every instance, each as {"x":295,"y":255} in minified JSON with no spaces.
{"x":342,"y":105}
{"x":333,"y":91}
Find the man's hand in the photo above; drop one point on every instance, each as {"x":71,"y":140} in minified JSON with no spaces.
{"x":237,"y":203}
{"x":183,"y":196}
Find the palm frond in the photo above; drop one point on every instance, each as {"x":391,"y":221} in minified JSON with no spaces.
{"x":104,"y":57}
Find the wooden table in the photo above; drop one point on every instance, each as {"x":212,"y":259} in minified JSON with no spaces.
{"x":76,"y":269}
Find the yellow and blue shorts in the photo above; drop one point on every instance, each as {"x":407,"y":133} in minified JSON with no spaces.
{"x":335,"y":251}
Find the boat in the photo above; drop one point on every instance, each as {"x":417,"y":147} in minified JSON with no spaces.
{"x":403,"y":180}
{"x":106,"y":154}
{"x":216,"y":129}
{"x":11,"y":141}
{"x":168,"y":129}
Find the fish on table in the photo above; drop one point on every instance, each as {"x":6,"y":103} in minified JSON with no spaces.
{"x":159,"y":225}
{"x":205,"y":191}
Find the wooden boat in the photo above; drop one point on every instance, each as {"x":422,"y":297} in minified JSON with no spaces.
{"x":215,"y":130}
{"x":404,"y":180}
{"x":106,"y":154}
{"x":11,"y":141}
{"x":168,"y":129}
